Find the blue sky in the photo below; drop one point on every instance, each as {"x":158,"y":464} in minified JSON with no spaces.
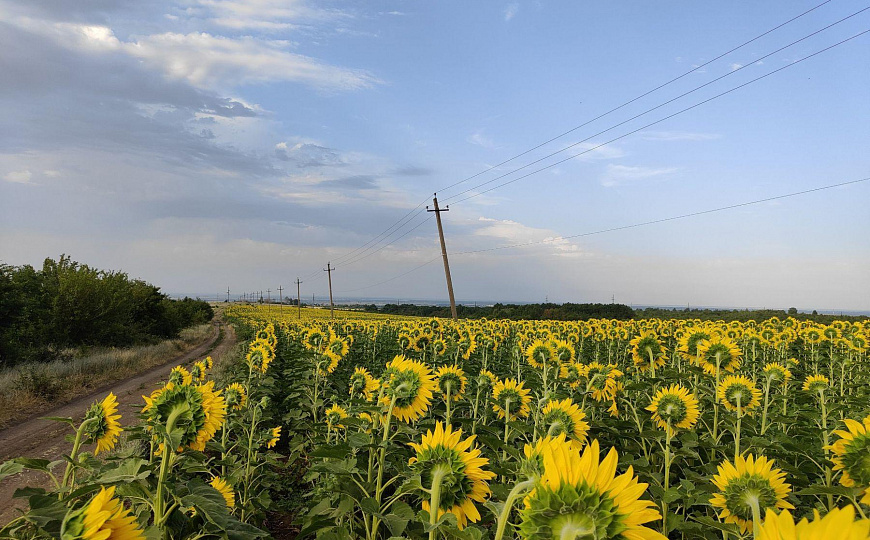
{"x":201,"y":144}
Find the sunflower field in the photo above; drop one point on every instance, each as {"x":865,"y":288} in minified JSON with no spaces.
{"x":386,"y":428}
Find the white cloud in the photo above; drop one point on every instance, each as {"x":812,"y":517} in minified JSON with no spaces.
{"x":209,"y":61}
{"x":19,"y":177}
{"x":266,"y":15}
{"x":618,"y":174}
{"x":511,"y":11}
{"x":514,"y":232}
{"x":480,"y":139}
{"x":735,"y":66}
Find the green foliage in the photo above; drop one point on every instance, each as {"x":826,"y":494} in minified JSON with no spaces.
{"x":68,"y":304}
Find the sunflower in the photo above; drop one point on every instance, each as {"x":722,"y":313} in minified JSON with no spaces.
{"x":688,"y":344}
{"x":533,"y":465}
{"x":486,"y":380}
{"x":363,"y":384}
{"x":209,"y":363}
{"x":852,"y":455}
{"x":572,"y":373}
{"x":327,"y":362}
{"x":674,"y":408}
{"x":564,"y":351}
{"x":422,"y":342}
{"x":259,"y":357}
{"x":718,"y":351}
{"x":816,"y":383}
{"x":409,"y":384}
{"x":197,"y":372}
{"x":511,"y":399}
{"x":235,"y":396}
{"x":179,"y":376}
{"x":103,"y":518}
{"x":451,"y":382}
{"x":565,"y":417}
{"x":776,"y":372}
{"x":444,"y":458}
{"x":541,"y":352}
{"x":579,"y":496}
{"x":601,"y":380}
{"x":439,"y":347}
{"x":225,"y":490}
{"x":737,"y":389}
{"x":102,"y":426}
{"x":334,"y":415}
{"x":202,"y":411}
{"x":337,"y":346}
{"x":276,"y":436}
{"x":746,"y":483}
{"x":839,"y":523}
{"x":648,"y":352}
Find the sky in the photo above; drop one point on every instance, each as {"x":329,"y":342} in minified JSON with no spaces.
{"x":206,"y":144}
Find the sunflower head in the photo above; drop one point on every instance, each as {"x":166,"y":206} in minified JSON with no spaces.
{"x":179,"y":376}
{"x":839,"y":521}
{"x":334,"y":415}
{"x":363,"y":384}
{"x":103,"y":518}
{"x":198,"y":371}
{"x":674,"y":408}
{"x":565,"y":417}
{"x":738,"y":391}
{"x":443,"y":456}
{"x":439,"y":347}
{"x":541,"y":352}
{"x":198,"y":411}
{"x":851,"y":455}
{"x":511,"y":399}
{"x":225,"y":490}
{"x":451,"y":382}
{"x":235,"y":396}
{"x":408,"y":384}
{"x":275,"y":436}
{"x":647,"y":351}
{"x":718,"y":353}
{"x":776,"y":372}
{"x":564,"y":351}
{"x":816,"y":384}
{"x":486,"y":380}
{"x":580,"y":496}
{"x":745,"y":483}
{"x":102,"y":426}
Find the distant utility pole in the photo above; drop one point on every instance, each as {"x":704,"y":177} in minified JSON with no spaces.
{"x":280,"y":300}
{"x":269,"y":301}
{"x":298,"y":297}
{"x":444,"y":252}
{"x":329,"y":270}
{"x":228,"y":295}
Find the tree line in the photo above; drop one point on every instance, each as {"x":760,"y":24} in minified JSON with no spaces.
{"x":67,"y":304}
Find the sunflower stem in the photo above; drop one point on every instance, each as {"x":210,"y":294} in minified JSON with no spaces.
{"x":518,"y":491}
{"x":752,"y":501}
{"x":737,"y":430}
{"x":379,"y":491}
{"x":667,"y":482}
{"x":438,"y":474}
{"x":73,"y":455}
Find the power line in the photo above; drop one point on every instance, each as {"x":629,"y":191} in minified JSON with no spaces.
{"x":659,"y":87}
{"x":732,"y":72}
{"x":386,"y":245}
{"x":348,"y":255}
{"x":625,"y":227}
{"x":717,"y":96}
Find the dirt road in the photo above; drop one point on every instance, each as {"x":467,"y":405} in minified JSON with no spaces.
{"x":44,"y":439}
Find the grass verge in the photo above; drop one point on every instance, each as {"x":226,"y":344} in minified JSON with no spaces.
{"x":29,"y":388}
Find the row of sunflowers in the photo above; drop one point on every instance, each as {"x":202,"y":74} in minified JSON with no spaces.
{"x":601,"y":429}
{"x":379,"y":428}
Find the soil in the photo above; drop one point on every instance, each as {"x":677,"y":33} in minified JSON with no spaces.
{"x":45,"y":439}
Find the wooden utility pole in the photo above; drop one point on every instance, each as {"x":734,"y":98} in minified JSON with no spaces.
{"x":444,"y":252}
{"x":228,"y":295}
{"x":329,"y":271}
{"x":298,"y":297}
{"x":280,"y":299}
{"x":269,"y":300}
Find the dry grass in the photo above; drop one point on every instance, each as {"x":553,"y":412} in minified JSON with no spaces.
{"x":26,"y":389}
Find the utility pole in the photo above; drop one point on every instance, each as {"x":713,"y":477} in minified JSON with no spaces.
{"x":269,"y":300}
{"x":228,"y":295}
{"x":329,"y":271}
{"x":298,"y":297}
{"x":444,"y":252}
{"x":280,"y":300}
